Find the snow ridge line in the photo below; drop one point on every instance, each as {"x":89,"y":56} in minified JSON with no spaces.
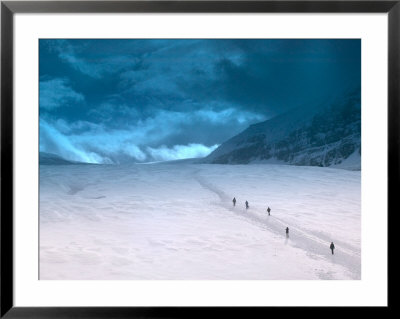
{"x":299,"y":238}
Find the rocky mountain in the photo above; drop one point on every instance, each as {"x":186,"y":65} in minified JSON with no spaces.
{"x":327,"y":134}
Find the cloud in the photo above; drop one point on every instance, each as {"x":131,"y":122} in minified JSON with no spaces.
{"x":166,"y":135}
{"x":111,"y":147}
{"x":164,"y":153}
{"x":86,"y":58}
{"x":54,"y":93}
{"x":167,"y":98}
{"x":95,"y":146}
{"x":165,"y":71}
{"x":227,"y":114}
{"x":260,"y":75}
{"x":98,"y":67}
{"x":53,"y":141}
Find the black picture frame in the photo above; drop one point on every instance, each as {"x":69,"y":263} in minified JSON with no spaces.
{"x":9,"y":8}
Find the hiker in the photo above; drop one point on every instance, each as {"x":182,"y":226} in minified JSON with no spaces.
{"x":234,"y":201}
{"x":247,"y":204}
{"x":332,"y":247}
{"x":269,"y":210}
{"x":287,"y":231}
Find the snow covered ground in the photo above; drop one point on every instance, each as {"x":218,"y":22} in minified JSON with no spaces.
{"x":176,"y":221}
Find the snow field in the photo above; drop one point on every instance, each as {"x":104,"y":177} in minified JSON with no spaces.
{"x":176,"y":221}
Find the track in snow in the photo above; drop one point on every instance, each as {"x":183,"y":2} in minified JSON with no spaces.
{"x":317,"y":246}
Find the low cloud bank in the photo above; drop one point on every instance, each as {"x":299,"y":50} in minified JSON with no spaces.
{"x":101,"y":147}
{"x":177,"y":152}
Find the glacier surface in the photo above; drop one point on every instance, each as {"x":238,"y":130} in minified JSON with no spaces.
{"x":177,"y":221}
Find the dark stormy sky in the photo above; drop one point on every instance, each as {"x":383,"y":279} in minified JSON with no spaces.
{"x":115,"y":101}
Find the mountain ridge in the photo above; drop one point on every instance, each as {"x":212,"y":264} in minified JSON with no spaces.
{"x":317,"y":135}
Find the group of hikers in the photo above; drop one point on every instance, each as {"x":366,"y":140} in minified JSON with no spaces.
{"x":331,"y":247}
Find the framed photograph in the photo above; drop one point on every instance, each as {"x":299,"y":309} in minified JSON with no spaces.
{"x":188,"y":158}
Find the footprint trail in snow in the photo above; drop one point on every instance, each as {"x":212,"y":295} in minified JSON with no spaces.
{"x":346,"y":255}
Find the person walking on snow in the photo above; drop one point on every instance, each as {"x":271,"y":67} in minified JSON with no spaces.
{"x":234,"y":201}
{"x":287,"y":231}
{"x":269,"y":210}
{"x":332,"y":247}
{"x":247,"y":204}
